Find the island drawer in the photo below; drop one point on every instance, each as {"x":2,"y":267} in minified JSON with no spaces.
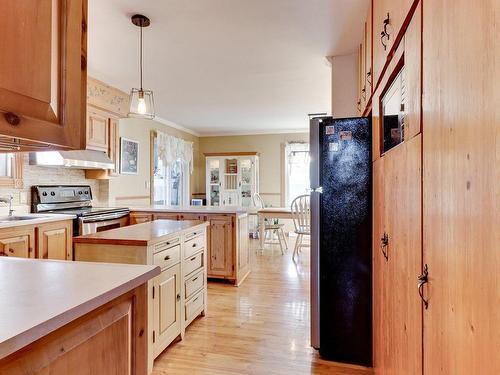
{"x":193,"y":246}
{"x":167,"y":244}
{"x":194,"y":263}
{"x":194,"y":305}
{"x":194,"y":233}
{"x":193,"y":284}
{"x":167,"y":257}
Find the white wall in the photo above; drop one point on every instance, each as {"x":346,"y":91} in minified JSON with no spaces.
{"x":344,"y":85}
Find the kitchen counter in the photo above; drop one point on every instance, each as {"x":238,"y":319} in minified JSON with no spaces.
{"x":37,"y":219}
{"x":144,"y":234}
{"x":193,"y":209}
{"x":41,"y":296}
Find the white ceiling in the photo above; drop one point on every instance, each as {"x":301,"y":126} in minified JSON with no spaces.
{"x":227,"y":66}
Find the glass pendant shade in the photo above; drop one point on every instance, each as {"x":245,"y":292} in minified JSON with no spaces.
{"x":141,"y":104}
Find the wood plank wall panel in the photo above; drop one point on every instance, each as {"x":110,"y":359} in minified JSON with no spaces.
{"x":461,"y":213}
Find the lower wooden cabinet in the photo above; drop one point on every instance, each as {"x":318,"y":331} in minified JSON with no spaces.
{"x":18,"y":242}
{"x":51,"y":240}
{"x":54,"y":240}
{"x":137,"y":218}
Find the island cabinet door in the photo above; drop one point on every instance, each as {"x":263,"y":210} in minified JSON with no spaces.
{"x":43,"y":71}
{"x":54,"y":241}
{"x":220,"y":256}
{"x":17,"y":242}
{"x":166,"y":308}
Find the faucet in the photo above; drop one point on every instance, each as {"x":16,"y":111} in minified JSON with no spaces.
{"x":9,"y":201}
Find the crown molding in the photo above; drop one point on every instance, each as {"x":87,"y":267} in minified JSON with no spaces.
{"x":163,"y":121}
{"x":255,"y":132}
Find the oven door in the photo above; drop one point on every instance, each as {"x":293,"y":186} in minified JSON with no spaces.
{"x":99,"y":223}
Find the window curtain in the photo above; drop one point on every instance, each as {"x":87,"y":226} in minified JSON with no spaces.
{"x":171,"y":148}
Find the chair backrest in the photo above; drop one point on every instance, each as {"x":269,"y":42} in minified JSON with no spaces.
{"x":257,"y":201}
{"x":301,"y":213}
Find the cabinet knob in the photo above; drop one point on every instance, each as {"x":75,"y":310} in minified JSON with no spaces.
{"x":12,"y":118}
{"x":194,"y":245}
{"x":167,"y":257}
{"x":178,"y":296}
{"x":11,"y":251}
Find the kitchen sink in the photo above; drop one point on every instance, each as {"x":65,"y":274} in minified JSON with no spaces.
{"x":5,"y":219}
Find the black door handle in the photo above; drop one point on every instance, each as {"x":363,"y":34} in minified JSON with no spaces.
{"x":422,"y":280}
{"x":384,"y":243}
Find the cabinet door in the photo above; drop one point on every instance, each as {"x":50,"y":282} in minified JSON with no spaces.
{"x":54,"y":241}
{"x":379,"y":268}
{"x":137,"y":218}
{"x":17,"y":243}
{"x":394,"y":12}
{"x":97,"y":131}
{"x":461,"y":187}
{"x":220,"y":255}
{"x":185,"y":216}
{"x":167,"y":307}
{"x":43,"y":71}
{"x":402,"y":307}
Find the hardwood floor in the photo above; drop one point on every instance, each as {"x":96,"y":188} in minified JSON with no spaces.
{"x":261,"y":327}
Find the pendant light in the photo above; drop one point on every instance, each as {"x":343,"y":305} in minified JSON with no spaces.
{"x":141,"y":101}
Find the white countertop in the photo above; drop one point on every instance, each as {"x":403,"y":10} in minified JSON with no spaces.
{"x":193,"y":209}
{"x":40,"y":296}
{"x":37,"y":219}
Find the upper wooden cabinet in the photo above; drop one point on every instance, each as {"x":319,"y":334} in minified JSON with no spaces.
{"x":97,"y":130}
{"x":388,"y":18}
{"x":43,"y":72}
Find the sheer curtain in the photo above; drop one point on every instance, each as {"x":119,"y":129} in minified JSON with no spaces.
{"x":173,"y":168}
{"x":297,"y":170}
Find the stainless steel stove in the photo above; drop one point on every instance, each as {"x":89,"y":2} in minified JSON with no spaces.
{"x":77,"y":200}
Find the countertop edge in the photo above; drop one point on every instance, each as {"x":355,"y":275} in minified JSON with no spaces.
{"x":37,"y":221}
{"x":37,"y":332}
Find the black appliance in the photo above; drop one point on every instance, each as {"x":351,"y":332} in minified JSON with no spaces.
{"x":341,"y":232}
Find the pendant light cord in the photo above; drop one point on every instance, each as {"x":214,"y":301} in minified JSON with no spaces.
{"x":140,"y":62}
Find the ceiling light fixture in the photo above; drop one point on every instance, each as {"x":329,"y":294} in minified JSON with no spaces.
{"x":141,"y":101}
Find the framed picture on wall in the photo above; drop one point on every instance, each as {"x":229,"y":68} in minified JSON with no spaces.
{"x":129,"y":156}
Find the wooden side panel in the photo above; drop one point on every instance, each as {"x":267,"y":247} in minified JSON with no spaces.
{"x":43,"y":70}
{"x":461,"y":215}
{"x":116,"y":329}
{"x":379,"y":268}
{"x":413,"y":74}
{"x":402,"y":311}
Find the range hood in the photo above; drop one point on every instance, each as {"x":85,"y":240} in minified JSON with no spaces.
{"x":80,"y":159}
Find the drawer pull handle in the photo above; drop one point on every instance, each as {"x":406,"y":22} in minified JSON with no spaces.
{"x":194,"y":245}
{"x":168,"y":243}
{"x":193,"y":258}
{"x":167,"y":257}
{"x":11,"y":251}
{"x":196,"y":278}
{"x":196,"y":299}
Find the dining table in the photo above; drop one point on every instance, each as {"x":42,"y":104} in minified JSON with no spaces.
{"x":270,"y":213}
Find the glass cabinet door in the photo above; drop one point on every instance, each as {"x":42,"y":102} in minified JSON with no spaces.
{"x":247,"y":182}
{"x":214,"y":181}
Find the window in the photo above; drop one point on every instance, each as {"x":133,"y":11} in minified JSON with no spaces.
{"x":170,"y":182}
{"x":296,"y":171}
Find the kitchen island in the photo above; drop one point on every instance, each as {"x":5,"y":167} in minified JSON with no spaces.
{"x":58,"y":317}
{"x":179,"y":294}
{"x":228,"y":251}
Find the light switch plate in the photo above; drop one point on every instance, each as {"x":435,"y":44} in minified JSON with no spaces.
{"x":23,"y":197}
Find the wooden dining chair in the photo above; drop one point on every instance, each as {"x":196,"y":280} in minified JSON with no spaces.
{"x":301,"y":215}
{"x":272,"y":227}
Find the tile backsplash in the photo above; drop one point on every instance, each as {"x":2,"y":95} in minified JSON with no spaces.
{"x":36,"y":175}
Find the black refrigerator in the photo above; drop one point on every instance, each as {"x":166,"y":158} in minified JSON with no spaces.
{"x":341,"y":231}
